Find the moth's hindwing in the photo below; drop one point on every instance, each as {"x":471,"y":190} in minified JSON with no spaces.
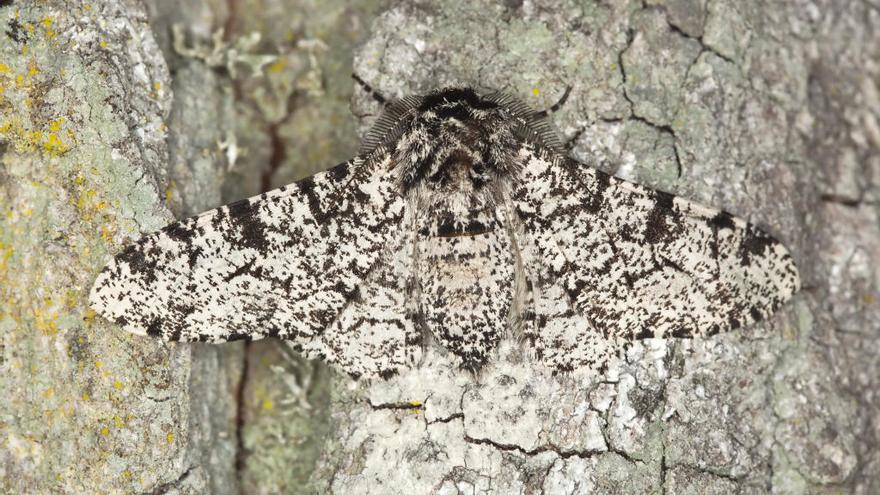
{"x":622,"y":262}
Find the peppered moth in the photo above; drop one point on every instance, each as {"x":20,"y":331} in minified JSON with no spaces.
{"x":462,"y":221}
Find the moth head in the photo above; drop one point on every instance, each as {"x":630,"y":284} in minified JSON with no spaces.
{"x":456,"y":141}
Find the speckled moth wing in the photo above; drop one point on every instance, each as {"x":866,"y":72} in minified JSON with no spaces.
{"x":615,"y":261}
{"x":374,"y":334}
{"x":299,"y":263}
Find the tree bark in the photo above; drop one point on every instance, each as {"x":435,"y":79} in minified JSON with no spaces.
{"x":117,"y":117}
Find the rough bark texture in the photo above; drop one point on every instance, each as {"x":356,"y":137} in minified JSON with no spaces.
{"x":116,"y":117}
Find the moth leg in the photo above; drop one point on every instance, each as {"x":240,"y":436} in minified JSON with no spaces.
{"x":369,"y":89}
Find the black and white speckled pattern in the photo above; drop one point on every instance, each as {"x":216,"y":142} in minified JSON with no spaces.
{"x":630,"y":263}
{"x":466,"y":276}
{"x":461,"y":220}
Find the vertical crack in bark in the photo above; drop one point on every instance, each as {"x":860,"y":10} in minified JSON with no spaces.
{"x":240,"y":452}
{"x":663,"y":128}
{"x":232,"y":15}
{"x":279,"y":153}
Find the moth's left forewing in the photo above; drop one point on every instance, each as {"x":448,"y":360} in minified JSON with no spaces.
{"x":637,"y":263}
{"x":291,"y":263}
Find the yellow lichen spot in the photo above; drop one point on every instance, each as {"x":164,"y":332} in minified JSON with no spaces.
{"x":157,"y":86}
{"x":49,"y":392}
{"x":415,"y":403}
{"x":54,"y":146}
{"x":34,"y":137}
{"x":268,"y":405}
{"x":869,"y":298}
{"x":290,"y":36}
{"x":278,"y":65}
{"x":86,"y":397}
{"x":31,"y":29}
{"x":89,"y":315}
{"x":105,"y":234}
{"x":47,"y":27}
{"x":4,"y":249}
{"x":117,"y":385}
{"x":33,"y":70}
{"x":99,"y":364}
{"x":80,"y":180}
{"x":125,"y":474}
{"x":4,"y":69}
{"x":47,"y":324}
{"x":24,"y":50}
{"x":536,"y":91}
{"x":105,"y":431}
{"x":169,"y":437}
{"x":87,"y":8}
{"x":55,"y":125}
{"x":118,"y":422}
{"x":81,"y":201}
{"x":169,"y":192}
{"x":103,"y":43}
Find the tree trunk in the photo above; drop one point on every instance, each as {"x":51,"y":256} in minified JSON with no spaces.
{"x":117,"y":117}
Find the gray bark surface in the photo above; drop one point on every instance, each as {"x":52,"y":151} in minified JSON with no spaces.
{"x":118,"y":116}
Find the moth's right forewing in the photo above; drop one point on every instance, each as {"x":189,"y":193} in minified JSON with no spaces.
{"x":635,"y":263}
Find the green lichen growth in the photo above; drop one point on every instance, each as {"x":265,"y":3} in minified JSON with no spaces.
{"x":75,"y":185}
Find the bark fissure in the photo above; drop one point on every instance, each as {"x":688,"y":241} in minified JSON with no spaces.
{"x":633,"y":116}
{"x":241,"y":451}
{"x":171,"y":485}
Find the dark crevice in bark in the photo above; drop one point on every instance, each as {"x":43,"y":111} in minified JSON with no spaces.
{"x":447,"y":419}
{"x":843,"y":200}
{"x":663,"y":469}
{"x":663,"y":128}
{"x":229,"y":26}
{"x":240,"y":451}
{"x":565,"y":454}
{"x":713,"y":472}
{"x":699,"y":39}
{"x":276,"y":159}
{"x":400,"y":406}
{"x":167,"y":487}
